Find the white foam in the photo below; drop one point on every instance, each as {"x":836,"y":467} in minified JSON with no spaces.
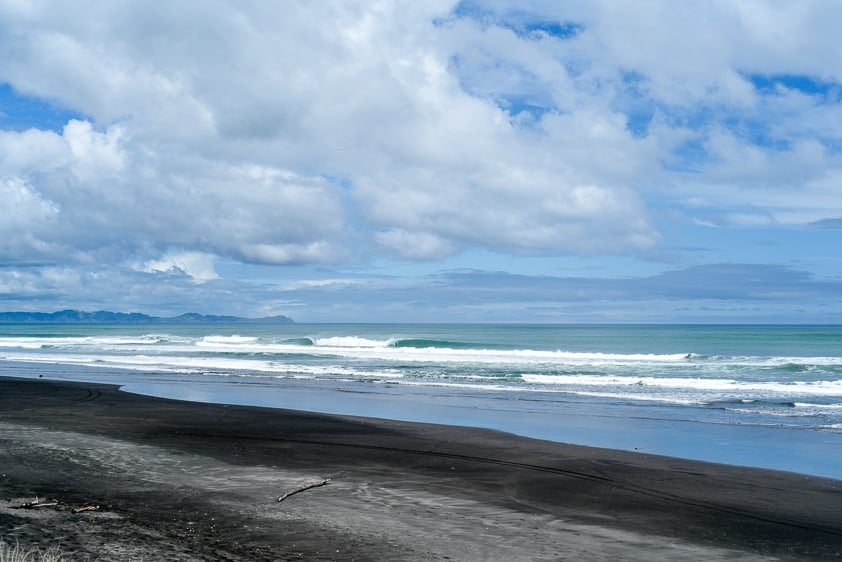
{"x":679,"y":378}
{"x":363,"y":348}
{"x":801,"y":361}
{"x":20,"y":343}
{"x":783,"y":413}
{"x":87,"y":342}
{"x":494,"y":387}
{"x":639,"y":397}
{"x":235,"y":339}
{"x":818,"y":406}
{"x":605,"y":380}
{"x":203,"y":364}
{"x":829,"y":388}
{"x":351,"y":342}
{"x":368,"y":348}
{"x":508,"y":387}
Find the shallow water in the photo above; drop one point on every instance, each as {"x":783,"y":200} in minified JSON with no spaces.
{"x":767,"y":396}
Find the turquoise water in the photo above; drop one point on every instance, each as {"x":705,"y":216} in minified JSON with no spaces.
{"x":754,"y":395}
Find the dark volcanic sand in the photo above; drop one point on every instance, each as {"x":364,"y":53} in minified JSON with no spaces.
{"x":185,"y":481}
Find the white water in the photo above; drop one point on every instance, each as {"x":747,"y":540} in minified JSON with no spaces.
{"x":592,"y":386}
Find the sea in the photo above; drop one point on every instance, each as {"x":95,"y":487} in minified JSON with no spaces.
{"x":753,"y":395}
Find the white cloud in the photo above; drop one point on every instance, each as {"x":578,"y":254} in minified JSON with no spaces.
{"x":197,"y":265}
{"x":94,"y":154}
{"x":313,"y":252}
{"x":25,"y":221}
{"x":414,"y":245}
{"x":32,"y":151}
{"x":295,"y":133}
{"x":366,"y":93}
{"x":321,"y":284}
{"x":23,"y":207}
{"x":120,"y":198}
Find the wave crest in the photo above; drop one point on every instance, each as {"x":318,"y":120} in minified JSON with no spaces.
{"x":351,"y":342}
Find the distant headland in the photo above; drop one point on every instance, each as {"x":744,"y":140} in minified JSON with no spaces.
{"x":108,"y":317}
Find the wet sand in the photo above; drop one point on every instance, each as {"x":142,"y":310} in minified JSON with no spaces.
{"x":133,"y":477}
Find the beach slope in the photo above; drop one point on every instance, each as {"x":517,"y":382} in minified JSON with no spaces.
{"x":108,"y":474}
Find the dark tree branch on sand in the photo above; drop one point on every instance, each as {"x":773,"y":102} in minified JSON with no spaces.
{"x":304,"y":487}
{"x":36,"y":503}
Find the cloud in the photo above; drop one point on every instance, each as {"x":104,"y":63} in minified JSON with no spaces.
{"x":361,"y":93}
{"x":346,"y":133}
{"x":834,"y":223}
{"x":726,"y":281}
{"x":726,"y":292}
{"x":86,"y":195}
{"x":32,"y":151}
{"x":411,"y":245}
{"x":95,"y":155}
{"x":23,"y":207}
{"x":24,"y":222}
{"x":195,"y":264}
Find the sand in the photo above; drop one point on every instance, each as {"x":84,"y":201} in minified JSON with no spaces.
{"x":139,"y":478}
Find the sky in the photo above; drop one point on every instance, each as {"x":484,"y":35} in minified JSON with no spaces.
{"x":437,"y":161}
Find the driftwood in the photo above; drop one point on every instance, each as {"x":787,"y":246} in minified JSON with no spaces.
{"x":303,"y":488}
{"x":36,"y":503}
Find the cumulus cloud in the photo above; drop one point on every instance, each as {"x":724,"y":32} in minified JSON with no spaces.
{"x":414,"y":245}
{"x":107,"y":195}
{"x":197,"y":265}
{"x":364,"y":93}
{"x":25,"y":221}
{"x":340,"y":132}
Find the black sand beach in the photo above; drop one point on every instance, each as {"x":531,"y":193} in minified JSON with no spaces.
{"x":126,"y":477}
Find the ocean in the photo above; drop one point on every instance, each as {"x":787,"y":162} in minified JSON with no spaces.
{"x":765,"y":396}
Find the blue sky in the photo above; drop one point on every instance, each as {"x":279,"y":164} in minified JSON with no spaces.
{"x":440,"y":161}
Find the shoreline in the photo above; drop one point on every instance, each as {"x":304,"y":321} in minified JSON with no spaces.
{"x":192,"y":479}
{"x":578,"y":420}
